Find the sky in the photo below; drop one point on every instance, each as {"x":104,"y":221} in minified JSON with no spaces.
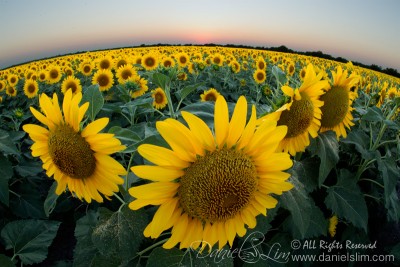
{"x":365,"y":31}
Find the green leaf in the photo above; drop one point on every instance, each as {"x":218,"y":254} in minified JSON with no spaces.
{"x":361,"y":142}
{"x":100,"y":260}
{"x":120,"y":233}
{"x":29,"y":203}
{"x":389,"y":172}
{"x":51,"y":200}
{"x":30,"y":239}
{"x":7,"y":145}
{"x":85,"y":251}
{"x":279,"y":75}
{"x":6,"y":261}
{"x":203,"y":110}
{"x":160,"y":257}
{"x":123,"y":94}
{"x":124,"y":134}
{"x":95,"y":98}
{"x":29,"y":168}
{"x":327,"y":148}
{"x":161,"y":80}
{"x":5,"y":174}
{"x":392,"y":124}
{"x":346,"y":200}
{"x":306,"y":173}
{"x":188,"y":90}
{"x":297,"y":202}
{"x":373,"y":114}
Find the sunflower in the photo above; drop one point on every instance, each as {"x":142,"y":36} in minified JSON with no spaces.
{"x":160,"y":99}
{"x":125,"y":72}
{"x":209,"y":187}
{"x":302,"y":114}
{"x":333,"y":221}
{"x":1,"y":99}
{"x":105,"y":63}
{"x":392,"y":93}
{"x":182,"y":59}
{"x":71,"y":83}
{"x":2,"y":85}
{"x":149,"y":61}
{"x":104,"y":78}
{"x":168,"y":62}
{"x":291,"y":69}
{"x":182,"y":76}
{"x":302,"y":73}
{"x":78,"y":158}
{"x":136,"y":86}
{"x":86,"y":68}
{"x":42,"y":75}
{"x":260,"y":63}
{"x":210,"y":95}
{"x":121,"y":62}
{"x":336,"y":111}
{"x":235,"y":66}
{"x":54,"y":74}
{"x":13,"y":80}
{"x":259,"y":76}
{"x":31,"y":88}
{"x":218,"y":59}
{"x":11,"y":91}
{"x":68,"y":71}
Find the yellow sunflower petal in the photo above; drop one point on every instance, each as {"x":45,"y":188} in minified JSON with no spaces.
{"x":157,"y":173}
{"x":221,"y":121}
{"x":238,"y":122}
{"x":178,"y":232}
{"x":95,"y":127}
{"x":176,"y":141}
{"x":161,"y":156}
{"x":200,"y":129}
{"x":154,"y":190}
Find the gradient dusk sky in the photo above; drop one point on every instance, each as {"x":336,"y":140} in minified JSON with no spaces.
{"x":366,"y":31}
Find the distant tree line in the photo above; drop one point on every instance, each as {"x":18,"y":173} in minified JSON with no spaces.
{"x":282,"y":48}
{"x":319,"y":54}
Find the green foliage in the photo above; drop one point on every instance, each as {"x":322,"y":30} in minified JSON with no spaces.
{"x":174,"y":257}
{"x":29,"y":239}
{"x":345,"y":200}
{"x":5,"y":174}
{"x":95,"y":98}
{"x":119,"y":234}
{"x":326,"y":148}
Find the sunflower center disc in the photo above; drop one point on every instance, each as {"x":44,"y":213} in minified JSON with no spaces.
{"x":211,"y":97}
{"x":103,"y":80}
{"x":159,"y":98}
{"x":71,"y":153}
{"x":335,"y":108}
{"x":218,"y":185}
{"x":299,"y":117}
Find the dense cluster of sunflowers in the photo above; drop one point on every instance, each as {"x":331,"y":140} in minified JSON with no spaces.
{"x":212,"y":178}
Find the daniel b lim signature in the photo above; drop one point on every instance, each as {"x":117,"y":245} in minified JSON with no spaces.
{"x":250,"y":251}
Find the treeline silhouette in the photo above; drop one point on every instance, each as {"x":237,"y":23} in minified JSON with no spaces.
{"x":282,"y":48}
{"x":319,"y":54}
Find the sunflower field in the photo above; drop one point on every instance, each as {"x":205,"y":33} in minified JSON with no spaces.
{"x":197,"y":156}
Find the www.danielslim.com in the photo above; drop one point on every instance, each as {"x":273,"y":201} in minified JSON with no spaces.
{"x":348,"y":257}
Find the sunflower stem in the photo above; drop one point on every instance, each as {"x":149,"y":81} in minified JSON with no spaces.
{"x":12,"y":192}
{"x":127,"y":171}
{"x":376,"y":198}
{"x":140,"y":253}
{"x":383,"y":128}
{"x":120,"y":199}
{"x":372,"y":181}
